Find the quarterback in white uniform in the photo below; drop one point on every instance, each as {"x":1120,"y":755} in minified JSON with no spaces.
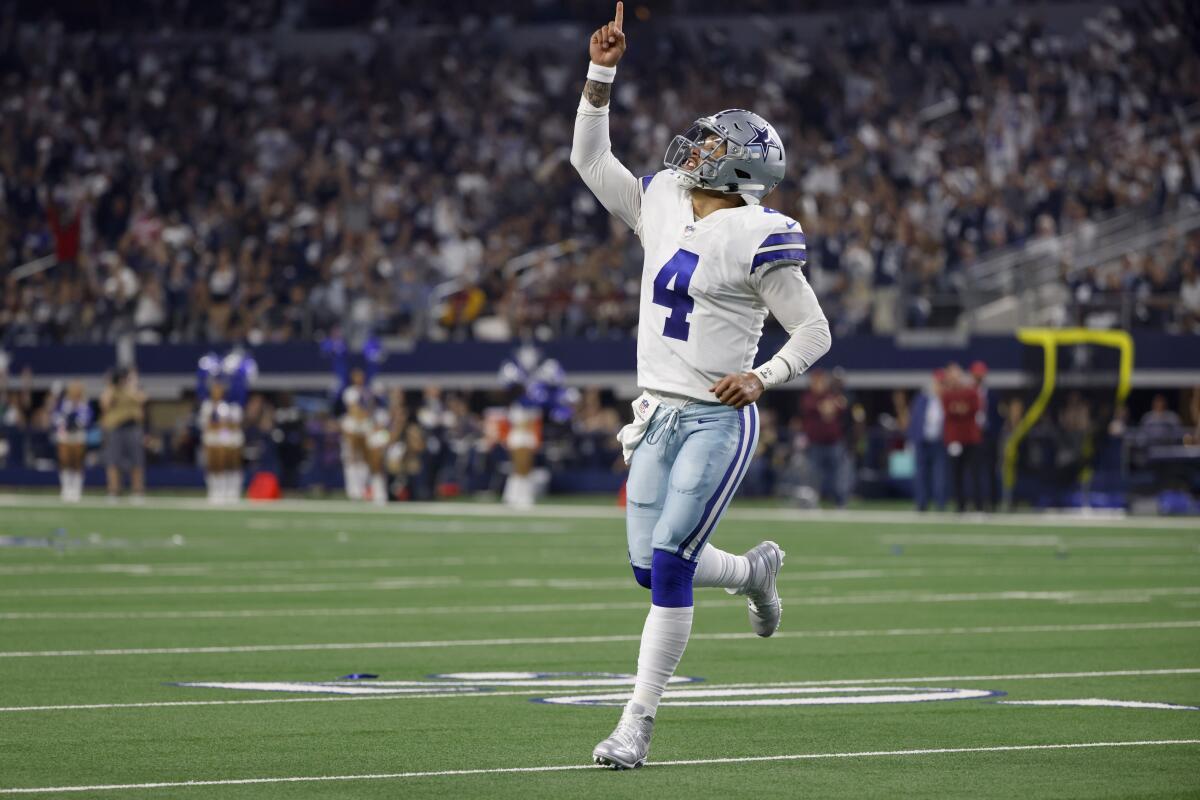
{"x":716,"y":263}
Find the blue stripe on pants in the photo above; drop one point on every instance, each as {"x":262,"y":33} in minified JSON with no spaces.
{"x":710,"y":520}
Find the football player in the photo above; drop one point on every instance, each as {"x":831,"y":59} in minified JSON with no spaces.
{"x":716,"y":263}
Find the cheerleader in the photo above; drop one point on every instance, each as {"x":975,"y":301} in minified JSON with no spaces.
{"x":378,"y":441}
{"x":221,"y":425}
{"x":72,"y":416}
{"x":359,"y":406}
{"x":538,"y":397}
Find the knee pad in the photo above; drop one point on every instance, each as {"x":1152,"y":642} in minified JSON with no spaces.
{"x":671,"y":586}
{"x":641,"y":575}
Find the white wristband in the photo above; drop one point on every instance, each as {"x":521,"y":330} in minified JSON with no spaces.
{"x":773,"y":373}
{"x":601,"y":74}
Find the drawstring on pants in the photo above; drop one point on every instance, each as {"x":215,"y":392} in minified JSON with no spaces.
{"x":667,"y":426}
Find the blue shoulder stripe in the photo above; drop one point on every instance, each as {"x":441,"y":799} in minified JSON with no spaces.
{"x":646,"y":182}
{"x":777,"y":255}
{"x":783,"y":238}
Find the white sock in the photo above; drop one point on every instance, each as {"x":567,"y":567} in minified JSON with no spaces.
{"x":513,"y":491}
{"x":519,"y":491}
{"x":664,"y":638}
{"x":64,"y":480}
{"x":362,"y":476}
{"x":528,"y":491}
{"x":232,"y":486}
{"x":353,"y":488}
{"x":211,"y":481}
{"x":718,"y":568}
{"x":76,"y":479}
{"x":379,"y":490}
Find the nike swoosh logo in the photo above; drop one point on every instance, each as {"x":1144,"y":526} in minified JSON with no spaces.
{"x":703,"y":420}
{"x":790,"y":225}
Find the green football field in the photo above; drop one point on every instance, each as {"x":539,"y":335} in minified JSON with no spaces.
{"x":1016,"y":657}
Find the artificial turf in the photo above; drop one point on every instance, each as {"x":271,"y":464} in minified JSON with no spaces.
{"x":111,"y":605}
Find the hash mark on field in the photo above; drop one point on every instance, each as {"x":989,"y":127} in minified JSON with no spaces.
{"x":572,"y":767}
{"x":1123,"y":673}
{"x":552,"y":640}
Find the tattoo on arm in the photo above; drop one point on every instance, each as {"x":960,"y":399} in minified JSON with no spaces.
{"x":597,"y":93}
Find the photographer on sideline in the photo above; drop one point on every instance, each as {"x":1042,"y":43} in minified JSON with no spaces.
{"x":122,"y":417}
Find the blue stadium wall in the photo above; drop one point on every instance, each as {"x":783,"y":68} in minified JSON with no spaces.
{"x":870,"y":362}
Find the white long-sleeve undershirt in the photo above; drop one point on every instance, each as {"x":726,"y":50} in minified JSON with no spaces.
{"x":591,"y":154}
{"x":792,"y":301}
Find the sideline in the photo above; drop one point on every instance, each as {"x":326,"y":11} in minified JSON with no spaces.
{"x":1088,"y":519}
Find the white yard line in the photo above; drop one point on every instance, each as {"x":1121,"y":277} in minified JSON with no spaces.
{"x":377,"y":585}
{"x":559,"y":640}
{"x":691,"y":762}
{"x":1094,"y":519}
{"x":402,"y":611}
{"x":1028,"y":676}
{"x":1045,"y":541}
{"x":476,"y":559}
{"x":1119,"y":561}
{"x":1112,"y":597}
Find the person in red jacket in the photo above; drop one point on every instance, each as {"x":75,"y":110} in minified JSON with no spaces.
{"x":962,"y":434}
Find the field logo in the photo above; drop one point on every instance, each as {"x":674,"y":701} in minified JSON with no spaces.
{"x":602,"y":689}
{"x":765,"y":695}
{"x":444,"y":684}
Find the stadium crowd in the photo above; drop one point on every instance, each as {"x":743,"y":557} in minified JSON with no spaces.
{"x":213,"y":188}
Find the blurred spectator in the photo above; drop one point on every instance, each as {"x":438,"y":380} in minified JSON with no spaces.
{"x":1192,"y":436}
{"x":987,"y":463}
{"x":422,"y":190}
{"x":1159,"y":425}
{"x":823,"y":410}
{"x":962,"y":435}
{"x":1189,"y":297}
{"x":926,"y":428}
{"x":287,"y":435}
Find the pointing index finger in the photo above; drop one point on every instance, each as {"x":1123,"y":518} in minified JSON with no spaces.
{"x":619,"y":20}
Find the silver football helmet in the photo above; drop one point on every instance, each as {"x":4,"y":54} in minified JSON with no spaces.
{"x":753,"y":163}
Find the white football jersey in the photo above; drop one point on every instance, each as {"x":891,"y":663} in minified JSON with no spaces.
{"x":707,"y":285}
{"x":701,"y":310}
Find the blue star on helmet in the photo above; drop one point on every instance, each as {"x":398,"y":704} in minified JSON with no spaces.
{"x":762,"y":140}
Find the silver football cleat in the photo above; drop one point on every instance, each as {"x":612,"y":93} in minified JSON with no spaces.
{"x":629,"y":744}
{"x":762,"y":597}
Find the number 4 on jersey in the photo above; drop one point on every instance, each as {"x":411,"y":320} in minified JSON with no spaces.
{"x":674,"y":293}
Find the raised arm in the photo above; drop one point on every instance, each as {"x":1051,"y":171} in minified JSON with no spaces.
{"x":591,"y":151}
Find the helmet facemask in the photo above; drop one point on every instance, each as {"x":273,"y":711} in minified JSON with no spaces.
{"x":696,"y":138}
{"x":752,"y":164}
